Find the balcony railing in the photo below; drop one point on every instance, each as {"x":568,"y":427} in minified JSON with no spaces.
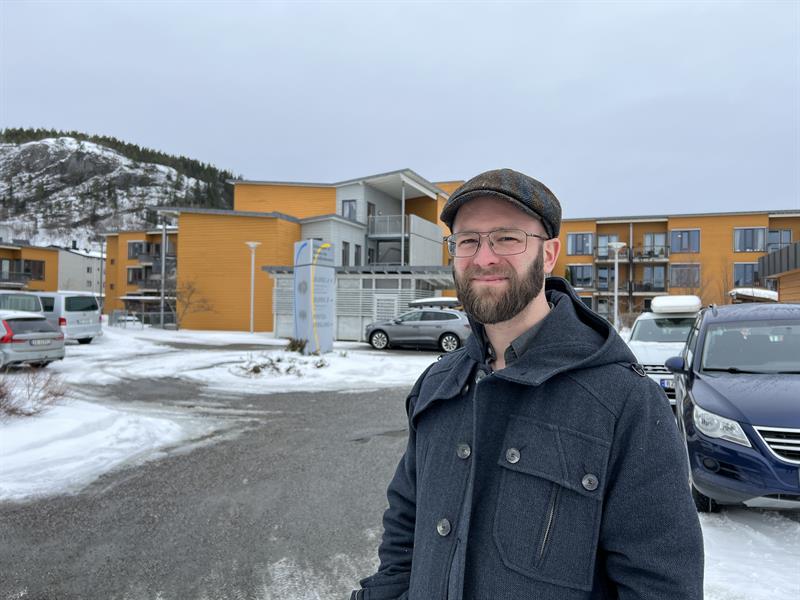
{"x":648,"y":286}
{"x":154,"y":284}
{"x":14,"y":277}
{"x":650,"y":253}
{"x":386,"y":225}
{"x":606,"y":253}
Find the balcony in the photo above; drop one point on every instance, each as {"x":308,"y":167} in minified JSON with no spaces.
{"x":13,"y":279}
{"x":651,"y":254}
{"x":606,"y":254}
{"x":154,"y":284}
{"x":648,"y":287}
{"x":386,"y":226}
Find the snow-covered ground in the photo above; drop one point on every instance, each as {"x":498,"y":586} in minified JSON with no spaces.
{"x":750,"y":554}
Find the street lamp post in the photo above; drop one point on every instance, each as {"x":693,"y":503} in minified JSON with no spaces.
{"x":252,"y":246}
{"x":616,"y":247}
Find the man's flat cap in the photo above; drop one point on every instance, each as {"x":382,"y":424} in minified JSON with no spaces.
{"x":525,"y":192}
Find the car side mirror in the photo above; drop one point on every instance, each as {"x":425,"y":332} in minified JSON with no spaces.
{"x":675,"y":364}
{"x":396,"y":321}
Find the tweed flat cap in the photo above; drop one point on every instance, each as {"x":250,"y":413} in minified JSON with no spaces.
{"x":525,"y":192}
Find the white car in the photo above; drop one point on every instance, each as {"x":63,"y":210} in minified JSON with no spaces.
{"x":662,"y":333}
{"x":76,"y":314}
{"x":26,"y":338}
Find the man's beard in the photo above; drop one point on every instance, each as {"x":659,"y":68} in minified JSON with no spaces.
{"x":489,"y":306}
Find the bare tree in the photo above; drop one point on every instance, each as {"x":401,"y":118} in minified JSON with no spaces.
{"x":184,"y":298}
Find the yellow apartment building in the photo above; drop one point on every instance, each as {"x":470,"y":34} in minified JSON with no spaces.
{"x":29,"y":268}
{"x":388,"y":239}
{"x":133,"y":269}
{"x":703,"y":254}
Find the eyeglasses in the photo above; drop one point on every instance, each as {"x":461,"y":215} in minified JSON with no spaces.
{"x":503,"y":242}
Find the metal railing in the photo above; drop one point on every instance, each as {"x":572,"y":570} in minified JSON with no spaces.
{"x":606,"y":253}
{"x":386,"y":225}
{"x":14,"y":277}
{"x":650,"y":253}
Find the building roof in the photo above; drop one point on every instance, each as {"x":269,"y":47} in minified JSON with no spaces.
{"x":227,"y":213}
{"x":377,"y":180}
{"x":665,"y":217}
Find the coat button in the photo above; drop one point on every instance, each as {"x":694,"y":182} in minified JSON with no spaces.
{"x":463,"y":450}
{"x":512,"y":455}
{"x":479,"y":375}
{"x":466,"y":388}
{"x":443,"y":527}
{"x":590,"y":482}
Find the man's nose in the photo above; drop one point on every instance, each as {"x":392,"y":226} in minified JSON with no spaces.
{"x":485,"y":255}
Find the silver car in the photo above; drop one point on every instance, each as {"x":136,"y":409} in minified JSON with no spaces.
{"x":27,"y":338}
{"x":445,"y":329}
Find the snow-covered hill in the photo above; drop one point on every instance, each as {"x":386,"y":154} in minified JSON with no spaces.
{"x":60,"y":190}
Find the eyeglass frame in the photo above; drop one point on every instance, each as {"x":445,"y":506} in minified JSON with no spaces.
{"x":486,"y":234}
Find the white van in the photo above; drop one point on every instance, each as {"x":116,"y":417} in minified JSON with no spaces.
{"x":76,"y":314}
{"x":662,"y":333}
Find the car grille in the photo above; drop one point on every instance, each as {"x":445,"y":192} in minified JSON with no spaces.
{"x":784,"y":443}
{"x":656,"y":370}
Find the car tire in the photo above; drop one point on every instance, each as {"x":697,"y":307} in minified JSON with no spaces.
{"x":40,"y":365}
{"x":85,"y":341}
{"x":703,"y":503}
{"x":379,"y":340}
{"x":449,"y":342}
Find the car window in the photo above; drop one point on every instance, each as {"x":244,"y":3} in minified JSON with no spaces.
{"x":79,"y":303}
{"x":772,"y":345}
{"x":662,"y":329}
{"x":48,"y":303}
{"x":448,"y":317}
{"x":689,"y":350}
{"x":433,"y":316}
{"x":30,"y":326}
{"x":20,"y":302}
{"x":410,"y":316}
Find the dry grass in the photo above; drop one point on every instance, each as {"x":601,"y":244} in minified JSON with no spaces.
{"x":28,"y":392}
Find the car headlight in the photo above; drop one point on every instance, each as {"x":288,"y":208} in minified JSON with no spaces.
{"x":719,"y":427}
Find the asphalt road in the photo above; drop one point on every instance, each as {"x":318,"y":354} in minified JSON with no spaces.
{"x":284,"y":502}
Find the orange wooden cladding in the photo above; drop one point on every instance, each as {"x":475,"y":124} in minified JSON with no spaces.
{"x":216,"y":261}
{"x":294,"y":200}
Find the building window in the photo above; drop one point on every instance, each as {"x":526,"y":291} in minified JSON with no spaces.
{"x":602,"y":245}
{"x":345,"y":254}
{"x":370,"y":256}
{"x":778,"y":238}
{"x":135,"y":275}
{"x":580,"y":275}
{"x":579,"y":244}
{"x":88,"y":269}
{"x":745,"y":274}
{"x":749,"y":240}
{"x":33,"y":269}
{"x":605,"y":278}
{"x":111,"y":286}
{"x":357,"y":257}
{"x":387,"y":284}
{"x":653,"y":280}
{"x":135,"y":249}
{"x":684,"y":276}
{"x":112,"y":261}
{"x":366,"y":284}
{"x":655,"y":244}
{"x":685,"y":240}
{"x":349,"y":209}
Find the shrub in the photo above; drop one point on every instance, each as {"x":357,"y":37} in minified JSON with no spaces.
{"x":29,"y":392}
{"x":296,"y":345}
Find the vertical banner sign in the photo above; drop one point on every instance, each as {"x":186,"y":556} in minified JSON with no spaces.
{"x":314,"y":295}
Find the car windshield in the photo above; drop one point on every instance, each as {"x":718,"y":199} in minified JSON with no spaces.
{"x":755,"y":346}
{"x":79,"y":303}
{"x":662,"y":329}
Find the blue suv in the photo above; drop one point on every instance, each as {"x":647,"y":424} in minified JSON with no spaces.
{"x":737,"y":391}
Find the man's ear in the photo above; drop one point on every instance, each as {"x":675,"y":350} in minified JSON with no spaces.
{"x":551,"y":249}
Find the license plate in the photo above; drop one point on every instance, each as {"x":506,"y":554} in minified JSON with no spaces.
{"x":84,"y":321}
{"x":40,"y":342}
{"x":667,"y":384}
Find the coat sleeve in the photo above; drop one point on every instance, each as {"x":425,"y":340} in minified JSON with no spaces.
{"x":394,"y":573}
{"x":650,"y":537}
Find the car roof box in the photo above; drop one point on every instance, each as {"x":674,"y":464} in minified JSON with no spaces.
{"x":676,"y":304}
{"x":437,"y":301}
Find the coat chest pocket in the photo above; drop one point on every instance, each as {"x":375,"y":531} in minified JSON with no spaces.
{"x":549,"y":503}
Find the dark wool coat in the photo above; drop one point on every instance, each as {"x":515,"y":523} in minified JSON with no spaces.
{"x":580,"y":486}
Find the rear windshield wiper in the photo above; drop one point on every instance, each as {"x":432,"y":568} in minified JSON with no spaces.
{"x":736,"y":370}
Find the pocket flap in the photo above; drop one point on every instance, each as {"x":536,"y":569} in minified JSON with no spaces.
{"x":571,"y":459}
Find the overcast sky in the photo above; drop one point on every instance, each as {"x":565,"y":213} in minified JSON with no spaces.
{"x":621,"y":108}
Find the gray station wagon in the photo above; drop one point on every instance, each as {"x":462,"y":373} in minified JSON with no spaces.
{"x":27,"y":338}
{"x":445,"y":329}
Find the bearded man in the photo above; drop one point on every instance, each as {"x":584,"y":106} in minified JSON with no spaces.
{"x":541,"y":462}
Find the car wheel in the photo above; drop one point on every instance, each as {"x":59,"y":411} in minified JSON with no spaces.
{"x":379,"y":340}
{"x":449,"y":342}
{"x":85,"y":341}
{"x":40,"y":365}
{"x":703,"y":503}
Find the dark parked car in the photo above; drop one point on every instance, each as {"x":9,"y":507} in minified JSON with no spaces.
{"x":737,"y":387}
{"x":446,"y":329}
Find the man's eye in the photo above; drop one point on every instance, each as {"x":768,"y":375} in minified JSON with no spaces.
{"x":467,"y":242}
